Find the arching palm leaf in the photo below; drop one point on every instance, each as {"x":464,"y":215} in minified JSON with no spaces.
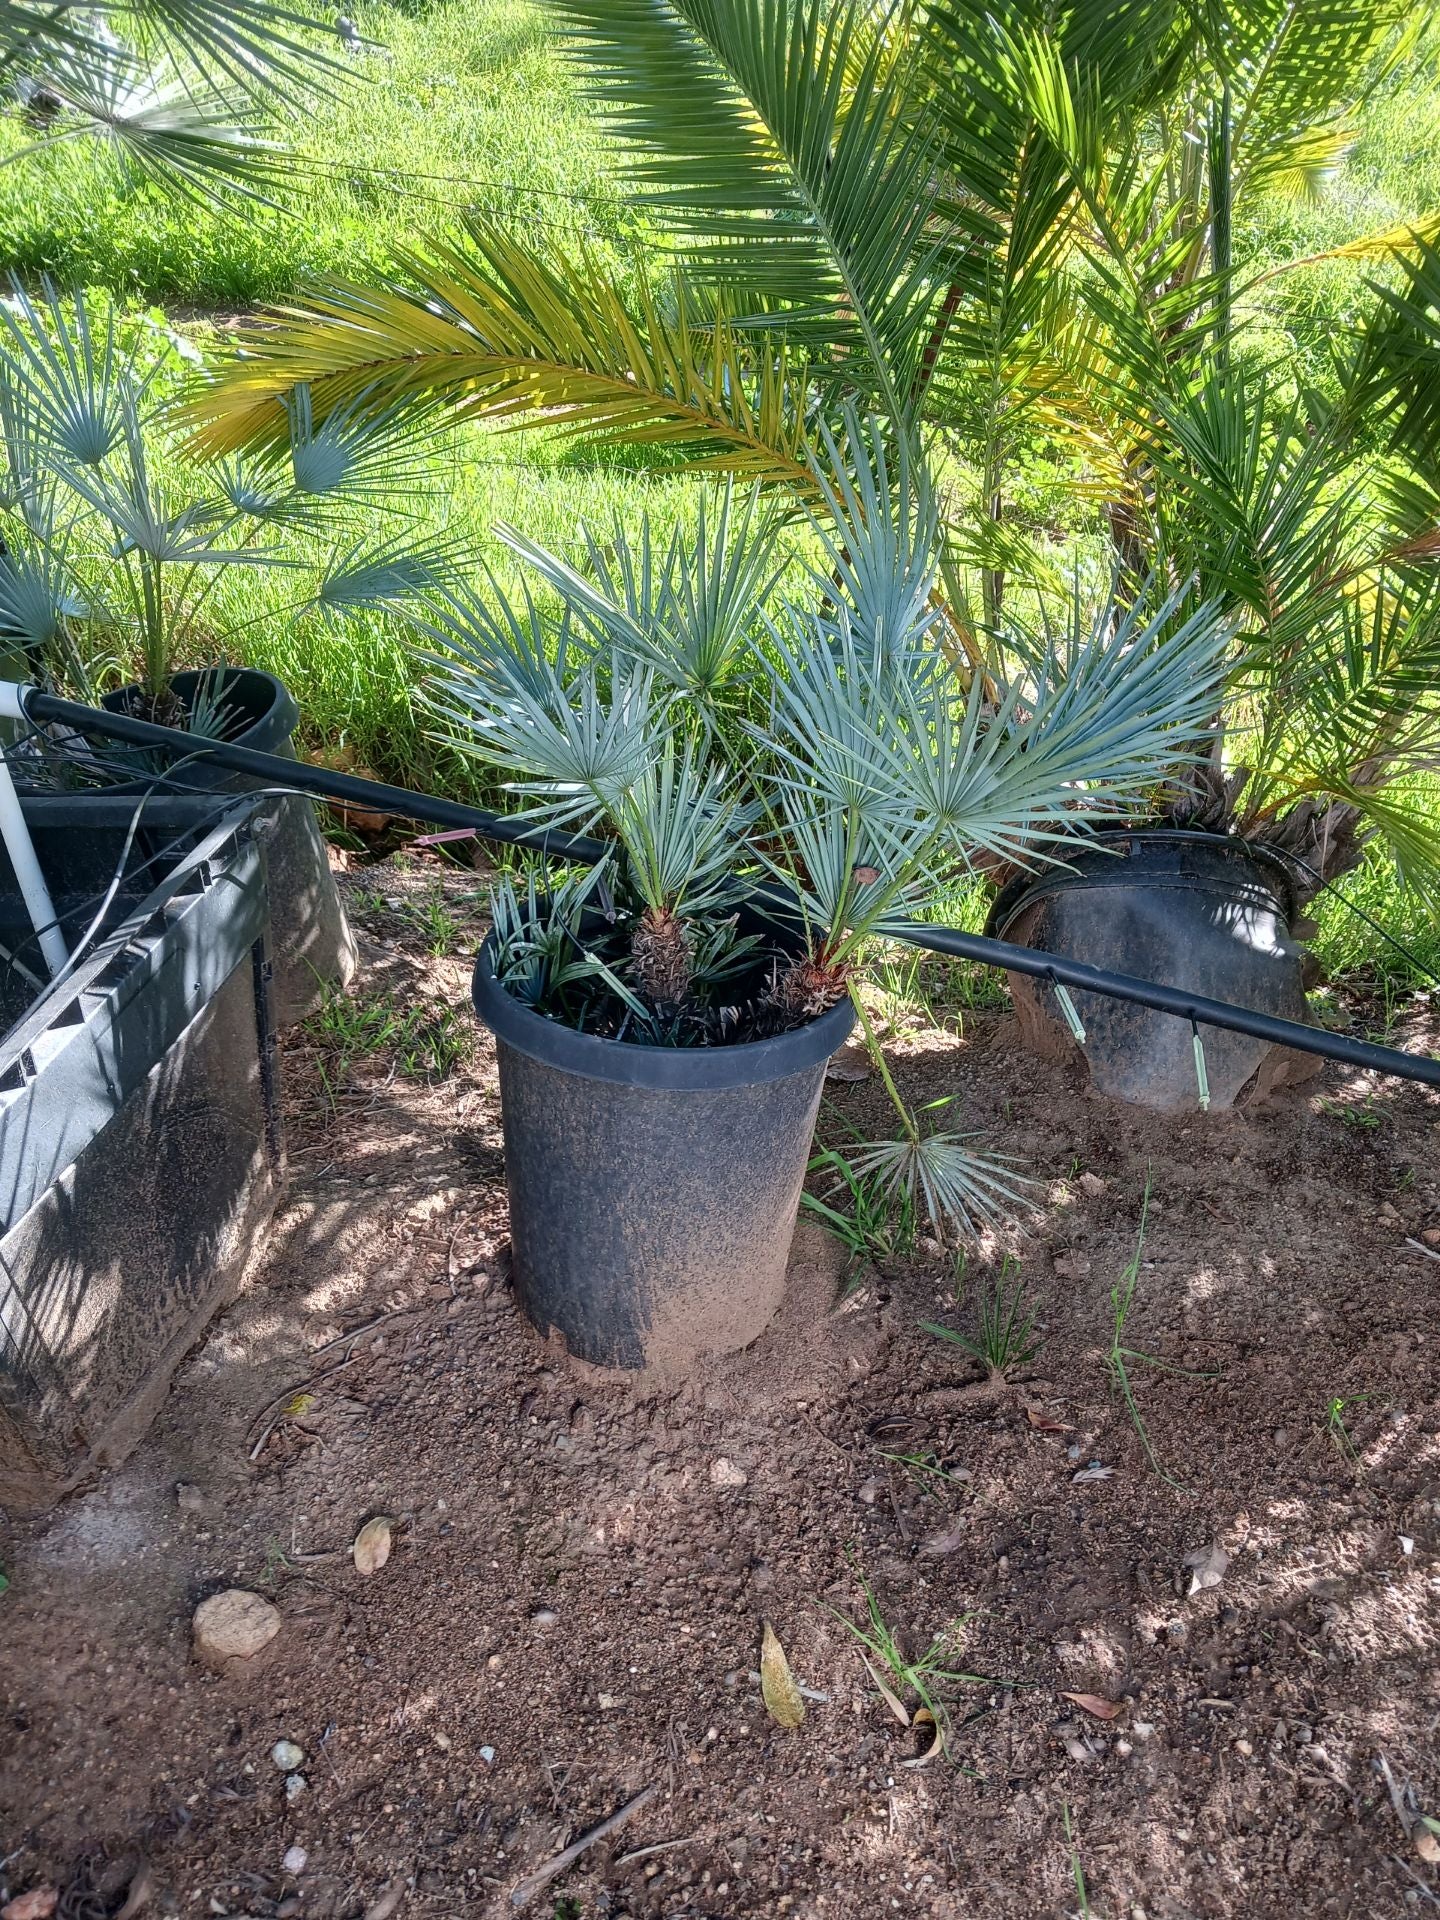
{"x":494,"y":331}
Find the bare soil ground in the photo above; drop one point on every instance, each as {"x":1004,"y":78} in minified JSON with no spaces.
{"x":573,"y":1608}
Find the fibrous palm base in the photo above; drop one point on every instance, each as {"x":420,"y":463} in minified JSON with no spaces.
{"x":164,"y":709}
{"x":807,"y":987}
{"x":660,"y":951}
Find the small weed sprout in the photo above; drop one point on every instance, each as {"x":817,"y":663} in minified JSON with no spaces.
{"x":933,"y":1480}
{"x":879,"y":1223}
{"x":928,"y":1677}
{"x":1361,"y":1116}
{"x":1077,"y":1871}
{"x":1120,"y":1357}
{"x":1006,"y":1339}
{"x":1337,"y":1427}
{"x":432,"y":919}
{"x":427,"y":1042}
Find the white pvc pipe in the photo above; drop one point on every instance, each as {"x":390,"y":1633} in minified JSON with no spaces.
{"x":21,"y":849}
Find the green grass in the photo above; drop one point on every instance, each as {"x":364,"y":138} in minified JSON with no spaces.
{"x":474,"y":95}
{"x":928,"y":1676}
{"x":876,"y":1224}
{"x":1120,"y":1358}
{"x":1371,"y":898}
{"x":424,"y":1042}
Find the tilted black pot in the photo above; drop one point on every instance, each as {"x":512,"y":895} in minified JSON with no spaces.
{"x":1208,"y":912}
{"x":653,"y":1190}
{"x":311,"y":945}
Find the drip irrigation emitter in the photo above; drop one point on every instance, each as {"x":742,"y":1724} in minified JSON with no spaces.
{"x":41,"y":709}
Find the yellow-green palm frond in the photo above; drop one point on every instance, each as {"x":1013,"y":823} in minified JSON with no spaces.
{"x":487,"y":330}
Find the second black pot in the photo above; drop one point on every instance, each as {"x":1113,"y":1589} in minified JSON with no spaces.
{"x":653,"y":1190}
{"x":312,"y":946}
{"x":1207,"y":912}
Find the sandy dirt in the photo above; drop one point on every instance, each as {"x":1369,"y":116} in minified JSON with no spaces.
{"x":572,"y":1610}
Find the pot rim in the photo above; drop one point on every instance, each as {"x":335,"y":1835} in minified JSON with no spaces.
{"x":746,"y":1063}
{"x":281,"y":707}
{"x":1026,"y":888}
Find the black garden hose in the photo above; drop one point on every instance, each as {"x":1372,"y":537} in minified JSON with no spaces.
{"x":347,"y":790}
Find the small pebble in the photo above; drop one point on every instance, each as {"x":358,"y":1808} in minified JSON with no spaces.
{"x":1244,"y":1747}
{"x":1407,"y":1545}
{"x":544,"y":1617}
{"x":725,"y":1473}
{"x":295,"y":1860}
{"x":286,"y":1755}
{"x":487,"y":1754}
{"x":232,"y":1627}
{"x":295,"y":1785}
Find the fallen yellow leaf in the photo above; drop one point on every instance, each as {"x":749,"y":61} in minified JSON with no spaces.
{"x":777,"y":1684}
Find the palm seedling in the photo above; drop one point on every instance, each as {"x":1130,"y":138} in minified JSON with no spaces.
{"x":113,"y":545}
{"x":758,"y":841}
{"x":1005,"y":1338}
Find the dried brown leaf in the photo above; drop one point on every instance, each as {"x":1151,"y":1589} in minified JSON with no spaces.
{"x":372,"y":1544}
{"x":895,"y":1704}
{"x":1043,"y":1422}
{"x":1093,"y":1703}
{"x":937,"y":1745}
{"x":777,"y":1684}
{"x":1207,"y":1567}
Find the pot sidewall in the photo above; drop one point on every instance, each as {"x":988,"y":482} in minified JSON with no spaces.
{"x":1216,"y":923}
{"x":653,"y":1190}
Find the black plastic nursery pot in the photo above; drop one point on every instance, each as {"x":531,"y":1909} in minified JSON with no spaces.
{"x":653,"y":1190}
{"x":1207,"y":913}
{"x":312,"y":944}
{"x":141,"y":1151}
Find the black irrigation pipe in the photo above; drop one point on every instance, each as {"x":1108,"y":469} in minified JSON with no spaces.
{"x":346,"y":789}
{"x":342,"y":789}
{"x":1194,"y":1007}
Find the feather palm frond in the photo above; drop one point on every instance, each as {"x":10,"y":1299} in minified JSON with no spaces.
{"x":493,"y":330}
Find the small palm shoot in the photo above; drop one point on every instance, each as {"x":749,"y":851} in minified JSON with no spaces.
{"x":1005,"y":1338}
{"x":1120,"y":1357}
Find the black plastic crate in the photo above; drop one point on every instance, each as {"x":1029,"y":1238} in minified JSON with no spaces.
{"x":141,"y":1151}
